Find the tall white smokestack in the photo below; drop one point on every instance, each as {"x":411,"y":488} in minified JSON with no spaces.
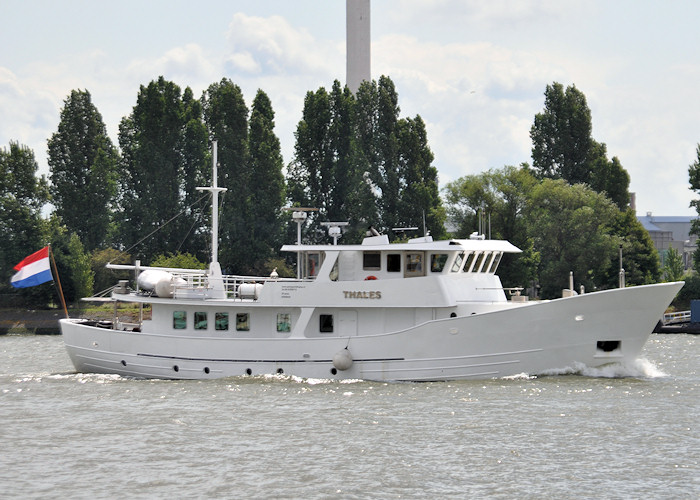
{"x":358,"y":42}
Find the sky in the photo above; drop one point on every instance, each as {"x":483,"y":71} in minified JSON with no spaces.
{"x":475,"y":71}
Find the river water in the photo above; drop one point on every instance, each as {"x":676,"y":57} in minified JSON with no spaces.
{"x":628,"y":432}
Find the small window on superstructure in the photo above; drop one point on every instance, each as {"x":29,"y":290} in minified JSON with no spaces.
{"x":242,"y":322}
{"x":393,"y":262}
{"x":200,"y":321}
{"x":326,"y":323}
{"x":458,"y":262}
{"x":221,"y":321}
{"x":437,"y":262}
{"x":179,"y":320}
{"x":313,"y":264}
{"x":371,"y":261}
{"x":496,"y":261}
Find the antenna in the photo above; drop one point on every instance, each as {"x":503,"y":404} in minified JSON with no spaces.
{"x":299,"y":216}
{"x":334,"y":230}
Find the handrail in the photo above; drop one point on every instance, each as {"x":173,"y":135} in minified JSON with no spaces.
{"x":676,"y":317}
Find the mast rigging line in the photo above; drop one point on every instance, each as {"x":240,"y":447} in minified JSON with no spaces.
{"x":168,"y":222}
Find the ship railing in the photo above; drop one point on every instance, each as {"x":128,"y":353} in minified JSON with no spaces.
{"x":235,"y":286}
{"x":676,"y":317}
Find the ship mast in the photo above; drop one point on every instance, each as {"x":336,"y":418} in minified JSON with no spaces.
{"x":216,"y":281}
{"x":214,"y":189}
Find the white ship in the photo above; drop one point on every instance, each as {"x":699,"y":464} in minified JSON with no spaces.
{"x":417,"y":311}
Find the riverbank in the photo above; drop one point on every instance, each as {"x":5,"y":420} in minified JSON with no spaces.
{"x":38,"y":322}
{"x":45,"y":321}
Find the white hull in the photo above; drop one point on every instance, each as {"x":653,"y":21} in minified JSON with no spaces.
{"x":533,"y":337}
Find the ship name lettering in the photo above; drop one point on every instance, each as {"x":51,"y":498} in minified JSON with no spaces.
{"x":362,"y":294}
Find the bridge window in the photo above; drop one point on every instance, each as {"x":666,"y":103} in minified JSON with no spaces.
{"x":393,"y":262}
{"x":242,"y":322}
{"x":458,"y":262}
{"x":221,"y":321}
{"x":470,"y":262}
{"x":496,"y":261}
{"x":179,"y":320}
{"x":313,"y":264}
{"x":371,"y":261}
{"x":200,"y":321}
{"x":414,"y":265}
{"x":437,"y":262}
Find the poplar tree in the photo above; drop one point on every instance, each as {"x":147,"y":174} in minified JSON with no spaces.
{"x":22,"y":196}
{"x":563,"y":148}
{"x":265,"y":201}
{"x":161,"y":154}
{"x":226,"y":118}
{"x":356,"y":160}
{"x":83,"y":163}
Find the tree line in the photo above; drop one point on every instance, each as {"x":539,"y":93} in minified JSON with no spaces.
{"x":355,"y":159}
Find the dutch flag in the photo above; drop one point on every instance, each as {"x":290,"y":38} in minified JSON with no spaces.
{"x":33,"y":270}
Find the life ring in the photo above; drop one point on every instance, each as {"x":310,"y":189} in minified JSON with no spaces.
{"x":369,"y":278}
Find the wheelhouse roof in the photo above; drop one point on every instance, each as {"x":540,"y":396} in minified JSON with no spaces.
{"x":422,"y":246}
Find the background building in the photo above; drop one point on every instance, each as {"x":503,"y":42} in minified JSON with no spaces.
{"x":671,"y":232}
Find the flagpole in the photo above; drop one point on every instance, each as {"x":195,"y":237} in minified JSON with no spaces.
{"x":58,"y":281}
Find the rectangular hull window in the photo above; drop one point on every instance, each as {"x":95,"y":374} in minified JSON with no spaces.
{"x":284,"y":322}
{"x":200,"y":321}
{"x":221,"y":321}
{"x":179,"y":320}
{"x":326,"y":323}
{"x":242,"y":322}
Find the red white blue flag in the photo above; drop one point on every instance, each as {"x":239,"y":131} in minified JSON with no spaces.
{"x":33,"y":270}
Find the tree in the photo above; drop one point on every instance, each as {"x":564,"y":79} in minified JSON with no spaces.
{"x":608,"y":176}
{"x":570,"y":228}
{"x":328,"y":171}
{"x":501,"y":196}
{"x":356,"y":160}
{"x":226,"y":117}
{"x":72,"y":263}
{"x":22,"y":196}
{"x":673,"y":267}
{"x":419,"y":197}
{"x":562,"y":146}
{"x":694,"y":175}
{"x":105,"y":278}
{"x":561,"y":135}
{"x":162,"y":152}
{"x":640,"y":259}
{"x":382,"y":148}
{"x":265,"y":201}
{"x":178,"y":260}
{"x":83,"y":164}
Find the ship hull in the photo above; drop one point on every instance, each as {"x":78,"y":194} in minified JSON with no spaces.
{"x":533,"y":338}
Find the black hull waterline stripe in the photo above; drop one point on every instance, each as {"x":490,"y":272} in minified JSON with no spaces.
{"x":221,"y":360}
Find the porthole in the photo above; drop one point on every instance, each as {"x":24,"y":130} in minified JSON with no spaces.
{"x":248,"y":371}
{"x":280,"y":371}
{"x":176,"y":368}
{"x":123,"y":363}
{"x":206,"y":370}
{"x":334,"y":371}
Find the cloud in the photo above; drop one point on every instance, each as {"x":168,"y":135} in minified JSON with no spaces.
{"x":271,"y":45}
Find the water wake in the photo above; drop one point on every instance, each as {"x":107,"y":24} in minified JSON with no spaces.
{"x":639,"y":368}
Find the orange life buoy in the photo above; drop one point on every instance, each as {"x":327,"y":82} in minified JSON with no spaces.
{"x":370,"y":278}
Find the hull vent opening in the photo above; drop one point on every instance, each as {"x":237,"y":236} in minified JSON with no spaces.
{"x":608,"y":345}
